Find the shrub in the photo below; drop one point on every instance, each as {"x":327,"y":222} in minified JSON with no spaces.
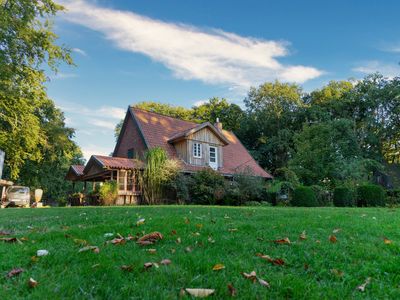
{"x":304,"y":196}
{"x":108,"y":192}
{"x":343,"y":196}
{"x":322,"y":195}
{"x":253,"y":203}
{"x":250,"y":187}
{"x":270,"y":197}
{"x":207,"y":187}
{"x":179,"y":184}
{"x":393,"y":197}
{"x":370,"y":195}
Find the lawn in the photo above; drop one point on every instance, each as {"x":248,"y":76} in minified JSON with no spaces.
{"x":314,"y":266}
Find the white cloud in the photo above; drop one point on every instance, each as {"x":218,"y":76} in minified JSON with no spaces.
{"x":91,"y":149}
{"x":79,"y":51}
{"x":104,"y":112}
{"x":373,"y":66}
{"x":102,"y":123}
{"x":212,"y":56}
{"x":200,"y":102}
{"x":61,"y":75}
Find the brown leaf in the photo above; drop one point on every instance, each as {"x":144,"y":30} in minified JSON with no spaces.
{"x":127,"y":268}
{"x":275,"y":261}
{"x":14,"y":272}
{"x":80,"y":242}
{"x":263,"y":282}
{"x":151,"y":237}
{"x":282,"y":241}
{"x":34,"y":259}
{"x":117,"y":241}
{"x":232,"y":290}
{"x":200,"y":293}
{"x":332,"y":239}
{"x":251,"y":276}
{"x":173,"y":232}
{"x":199,"y":226}
{"x":95,"y":249}
{"x":150,"y":265}
{"x":336,"y":230}
{"x":144,"y":243}
{"x":303,"y":236}
{"x":218,"y":267}
{"x":362,"y":287}
{"x":387,"y":241}
{"x":165,"y":262}
{"x":11,"y":240}
{"x":32,"y":283}
{"x":337,"y":272}
{"x":4,"y":233}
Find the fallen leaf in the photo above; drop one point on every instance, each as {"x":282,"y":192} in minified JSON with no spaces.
{"x":303,"y":236}
{"x":173,"y":250}
{"x":165,"y":262}
{"x":263,"y":282}
{"x":151,"y":237}
{"x":337,"y":272}
{"x":140,"y":222}
{"x":187,"y":221}
{"x":150,"y":264}
{"x":232,"y":229}
{"x":32,"y":283}
{"x":251,"y":276}
{"x":232,"y":290}
{"x":332,"y":239}
{"x":11,"y":240}
{"x":152,"y":251}
{"x":80,"y":242}
{"x":95,"y":249}
{"x":178,"y":240}
{"x":108,"y":234}
{"x":362,"y":287}
{"x":199,"y":226}
{"x":4,"y":233}
{"x":42,"y":253}
{"x":275,"y":261}
{"x":144,"y":243}
{"x":173,"y":232}
{"x":282,"y":241}
{"x":34,"y":259}
{"x":336,"y":230}
{"x":127,"y":268}
{"x":200,"y":293}
{"x":218,"y":267}
{"x":188,"y":249}
{"x":14,"y":272}
{"x":387,"y":241}
{"x":211,"y":240}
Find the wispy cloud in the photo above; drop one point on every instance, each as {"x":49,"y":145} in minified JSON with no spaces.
{"x":212,"y":56}
{"x":60,"y":76}
{"x":79,"y":51}
{"x":103,"y":112}
{"x":373,"y":66}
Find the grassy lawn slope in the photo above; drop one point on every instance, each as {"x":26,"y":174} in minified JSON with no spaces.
{"x":338,"y":251}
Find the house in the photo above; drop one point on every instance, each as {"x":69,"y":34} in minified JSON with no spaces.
{"x":196,"y":146}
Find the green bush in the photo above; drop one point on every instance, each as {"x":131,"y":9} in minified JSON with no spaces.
{"x":108,"y":192}
{"x":304,"y":196}
{"x":393,"y":197}
{"x":207,"y":187}
{"x":322,"y":195}
{"x":343,"y":196}
{"x":370,"y":195}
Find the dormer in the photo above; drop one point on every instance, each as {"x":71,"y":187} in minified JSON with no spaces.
{"x":201,"y":145}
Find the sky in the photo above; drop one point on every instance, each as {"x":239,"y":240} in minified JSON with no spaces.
{"x":185,"y":52}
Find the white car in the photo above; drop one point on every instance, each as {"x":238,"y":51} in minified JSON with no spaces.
{"x":18,"y":196}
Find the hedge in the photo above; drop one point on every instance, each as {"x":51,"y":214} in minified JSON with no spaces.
{"x":343,"y":196}
{"x":304,"y":196}
{"x":370,"y":195}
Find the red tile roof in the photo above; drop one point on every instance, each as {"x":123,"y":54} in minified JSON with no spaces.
{"x":78,"y":169}
{"x":158,"y":129}
{"x":117,"y":162}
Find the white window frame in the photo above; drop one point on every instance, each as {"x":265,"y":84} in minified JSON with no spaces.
{"x":197,"y":150}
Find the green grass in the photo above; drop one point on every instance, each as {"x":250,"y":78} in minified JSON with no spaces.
{"x":359,"y":253}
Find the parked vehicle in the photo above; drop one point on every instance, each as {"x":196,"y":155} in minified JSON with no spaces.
{"x":18,"y":196}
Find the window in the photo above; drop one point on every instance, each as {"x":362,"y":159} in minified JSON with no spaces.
{"x":131,"y":153}
{"x":197,"y":150}
{"x":213,"y":155}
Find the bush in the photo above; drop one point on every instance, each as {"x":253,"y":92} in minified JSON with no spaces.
{"x":322,"y":195}
{"x":108,"y":192}
{"x":343,"y":196}
{"x":271,"y":197}
{"x":304,"y":196}
{"x":393,"y":197}
{"x":370,"y":195}
{"x":207,"y":187}
{"x":180,"y":186}
{"x":250,"y":187}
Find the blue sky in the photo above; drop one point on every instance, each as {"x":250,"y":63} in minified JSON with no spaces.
{"x":184,"y":52}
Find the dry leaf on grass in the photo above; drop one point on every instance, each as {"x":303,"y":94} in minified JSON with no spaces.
{"x":275,"y":261}
{"x":337,"y":272}
{"x":303,"y":236}
{"x":362,"y":287}
{"x":150,"y":238}
{"x":178,"y":240}
{"x":188,"y":249}
{"x":4,"y":233}
{"x":387,"y":241}
{"x":127,"y":268}
{"x":11,"y":240}
{"x":173,"y":232}
{"x":336,"y":230}
{"x":232,"y":229}
{"x":232,"y":290}
{"x":218,"y":267}
{"x":32,"y":283}
{"x":200,"y":293}
{"x":282,"y":241}
{"x":150,"y":265}
{"x":14,"y":272}
{"x":199,"y":226}
{"x":211,"y":240}
{"x":251,"y":276}
{"x":152,"y":251}
{"x":165,"y":262}
{"x":263,"y":282}
{"x":140,"y":222}
{"x":80,"y":242}
{"x":332,"y":239}
{"x":95,"y":249}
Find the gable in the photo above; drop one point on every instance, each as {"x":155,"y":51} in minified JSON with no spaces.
{"x":205,"y":135}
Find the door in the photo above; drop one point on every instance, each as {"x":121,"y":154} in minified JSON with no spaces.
{"x":213,"y":158}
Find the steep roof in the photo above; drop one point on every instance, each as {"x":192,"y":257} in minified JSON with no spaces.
{"x":108,"y":162}
{"x":158,"y":130}
{"x":75,"y":172}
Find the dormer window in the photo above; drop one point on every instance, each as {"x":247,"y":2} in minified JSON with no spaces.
{"x":196,"y":150}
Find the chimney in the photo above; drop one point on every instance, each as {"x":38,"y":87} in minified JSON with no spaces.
{"x":218,"y":125}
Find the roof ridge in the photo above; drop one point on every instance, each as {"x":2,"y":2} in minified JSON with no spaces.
{"x":163,"y":115}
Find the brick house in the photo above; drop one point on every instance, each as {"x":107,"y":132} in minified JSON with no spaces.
{"x":196,"y":146}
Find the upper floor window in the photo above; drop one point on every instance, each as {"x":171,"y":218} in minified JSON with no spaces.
{"x":197,"y":150}
{"x":131,"y":153}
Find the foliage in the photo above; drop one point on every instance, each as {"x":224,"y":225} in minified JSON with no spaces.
{"x":249,"y":187}
{"x":370,"y":195}
{"x":393,"y":197}
{"x":207,"y":187}
{"x":304,"y":196}
{"x":108,"y":192}
{"x":322,"y":195}
{"x":343,"y":196}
